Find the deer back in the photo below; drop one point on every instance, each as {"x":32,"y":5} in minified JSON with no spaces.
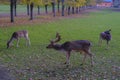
{"x":76,"y":45}
{"x":105,"y":36}
{"x":22,"y":33}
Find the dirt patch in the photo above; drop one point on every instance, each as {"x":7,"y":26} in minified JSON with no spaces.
{"x":5,"y":74}
{"x":22,"y":19}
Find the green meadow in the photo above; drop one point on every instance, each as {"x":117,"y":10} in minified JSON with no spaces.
{"x":38,"y":63}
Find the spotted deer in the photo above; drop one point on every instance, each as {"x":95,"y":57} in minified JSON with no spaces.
{"x":106,"y":35}
{"x":77,"y":45}
{"x":19,"y":34}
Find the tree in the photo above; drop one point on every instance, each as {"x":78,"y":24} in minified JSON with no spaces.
{"x":46,"y":3}
{"x":31,"y":10}
{"x":38,"y":10}
{"x":53,"y":8}
{"x":27,"y":2}
{"x":63,"y":6}
{"x":15,"y":6}
{"x":53,"y":2}
{"x":74,"y":5}
{"x":38,"y":3}
{"x":11,"y":10}
{"x":58,"y":1}
{"x":30,"y":5}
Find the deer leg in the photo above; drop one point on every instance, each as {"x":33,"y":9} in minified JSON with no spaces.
{"x":11,"y":41}
{"x":27,"y":41}
{"x":100,"y":41}
{"x":17,"y":42}
{"x":67,"y":58}
{"x":91,"y":57}
{"x":83,"y":61}
{"x":107,"y":44}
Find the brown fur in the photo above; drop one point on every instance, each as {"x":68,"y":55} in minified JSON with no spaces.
{"x":77,"y":45}
{"x":19,"y":34}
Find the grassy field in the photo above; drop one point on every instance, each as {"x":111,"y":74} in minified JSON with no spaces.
{"x":38,"y":63}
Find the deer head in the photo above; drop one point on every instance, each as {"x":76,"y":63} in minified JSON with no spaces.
{"x":52,"y":42}
{"x":107,"y":32}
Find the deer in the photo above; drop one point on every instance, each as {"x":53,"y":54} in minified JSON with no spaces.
{"x":106,"y":35}
{"x":17,"y":35}
{"x":69,"y":46}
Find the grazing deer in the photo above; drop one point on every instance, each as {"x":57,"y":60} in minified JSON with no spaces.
{"x":19,"y":34}
{"x":105,"y":36}
{"x":78,"y":46}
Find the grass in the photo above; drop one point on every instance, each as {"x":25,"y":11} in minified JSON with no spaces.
{"x":39,"y":63}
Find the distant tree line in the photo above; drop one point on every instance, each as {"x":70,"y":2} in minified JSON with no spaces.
{"x":72,"y":6}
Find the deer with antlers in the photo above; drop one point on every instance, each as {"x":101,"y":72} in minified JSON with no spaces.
{"x":105,"y":36}
{"x":19,"y":34}
{"x":77,"y":45}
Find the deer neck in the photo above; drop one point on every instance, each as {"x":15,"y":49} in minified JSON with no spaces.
{"x":57,"y":47}
{"x":10,"y":41}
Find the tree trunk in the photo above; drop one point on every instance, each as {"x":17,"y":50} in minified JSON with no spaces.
{"x":63,"y":8}
{"x":28,"y":9}
{"x":68,"y":10}
{"x":58,"y":6}
{"x":53,"y":8}
{"x":77,"y":10}
{"x":11,"y":10}
{"x":31,"y":11}
{"x":46,"y":8}
{"x":15,"y":6}
{"x":38,"y":10}
{"x":73,"y":10}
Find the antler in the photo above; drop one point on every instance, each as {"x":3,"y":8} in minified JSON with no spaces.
{"x":58,"y":37}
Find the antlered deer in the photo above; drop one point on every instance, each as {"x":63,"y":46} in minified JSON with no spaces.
{"x":19,"y":34}
{"x":78,"y":46}
{"x":105,"y":36}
